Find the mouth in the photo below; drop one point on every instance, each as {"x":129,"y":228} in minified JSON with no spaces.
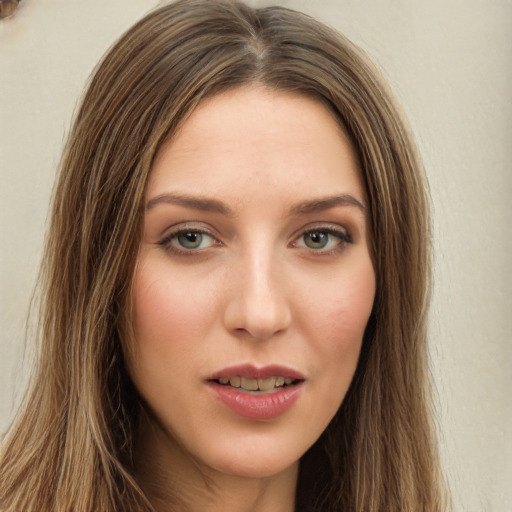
{"x":257,"y":385}
{"x":258,"y":393}
{"x":251,"y":378}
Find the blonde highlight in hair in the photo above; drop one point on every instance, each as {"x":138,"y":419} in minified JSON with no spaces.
{"x":71,"y":446}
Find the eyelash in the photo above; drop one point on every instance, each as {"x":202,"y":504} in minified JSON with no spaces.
{"x":166,"y":242}
{"x":344,"y":239}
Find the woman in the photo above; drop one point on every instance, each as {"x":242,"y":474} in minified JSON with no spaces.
{"x":235,"y":282}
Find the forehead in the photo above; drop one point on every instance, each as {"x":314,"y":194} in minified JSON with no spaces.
{"x":253,"y":140}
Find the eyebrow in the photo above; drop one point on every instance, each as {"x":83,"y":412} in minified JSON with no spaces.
{"x":325,"y":203}
{"x":213,"y":205}
{"x":197,"y":203}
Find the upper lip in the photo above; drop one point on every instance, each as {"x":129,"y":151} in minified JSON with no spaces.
{"x":257,"y":372}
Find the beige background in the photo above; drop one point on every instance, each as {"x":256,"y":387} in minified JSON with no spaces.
{"x":450,"y":63}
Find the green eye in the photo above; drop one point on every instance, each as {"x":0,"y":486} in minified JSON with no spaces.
{"x":187,"y":241}
{"x":190,"y":239}
{"x":316,"y":239}
{"x":324,"y":240}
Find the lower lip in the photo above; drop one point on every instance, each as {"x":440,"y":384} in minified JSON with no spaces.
{"x":257,"y":406}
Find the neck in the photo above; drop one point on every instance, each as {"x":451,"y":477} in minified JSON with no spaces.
{"x":174,"y":481}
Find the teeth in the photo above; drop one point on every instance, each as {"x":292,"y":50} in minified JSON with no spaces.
{"x":267,"y":384}
{"x":235,"y":382}
{"x":250,"y":384}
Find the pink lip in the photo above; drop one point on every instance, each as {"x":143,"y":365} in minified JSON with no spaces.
{"x":257,"y":406}
{"x":254,"y":372}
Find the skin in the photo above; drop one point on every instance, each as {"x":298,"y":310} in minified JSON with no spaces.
{"x":255,"y":290}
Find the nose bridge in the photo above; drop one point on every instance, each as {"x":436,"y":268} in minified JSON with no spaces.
{"x":260,"y":276}
{"x":259,"y":305}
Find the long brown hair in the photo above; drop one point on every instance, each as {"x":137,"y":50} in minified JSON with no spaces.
{"x":70,"y":447}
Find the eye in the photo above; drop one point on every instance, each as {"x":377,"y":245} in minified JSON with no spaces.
{"x":317,"y":239}
{"x":189,"y":240}
{"x":326,"y":239}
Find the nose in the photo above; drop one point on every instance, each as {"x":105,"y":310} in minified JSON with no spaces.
{"x":259,"y":306}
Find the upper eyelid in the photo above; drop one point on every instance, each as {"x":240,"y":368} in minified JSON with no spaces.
{"x":321,"y":226}
{"x":342,"y":235}
{"x":200,"y":227}
{"x":190,"y":226}
{"x":170,"y":234}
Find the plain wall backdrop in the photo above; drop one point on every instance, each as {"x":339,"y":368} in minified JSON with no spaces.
{"x":450,"y":64}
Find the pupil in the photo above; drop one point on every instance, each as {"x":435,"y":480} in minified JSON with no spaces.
{"x":316,"y":239}
{"x":190,"y":240}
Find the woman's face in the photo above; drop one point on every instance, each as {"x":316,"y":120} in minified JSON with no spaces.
{"x":254,"y":281}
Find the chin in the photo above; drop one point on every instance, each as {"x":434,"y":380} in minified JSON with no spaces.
{"x":256,"y":459}
{"x":257,"y":469}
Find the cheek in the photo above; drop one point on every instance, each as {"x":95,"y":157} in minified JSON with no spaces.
{"x":336,"y":323}
{"x":168,"y":317}
{"x":343,"y":305}
{"x":350,"y":307}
